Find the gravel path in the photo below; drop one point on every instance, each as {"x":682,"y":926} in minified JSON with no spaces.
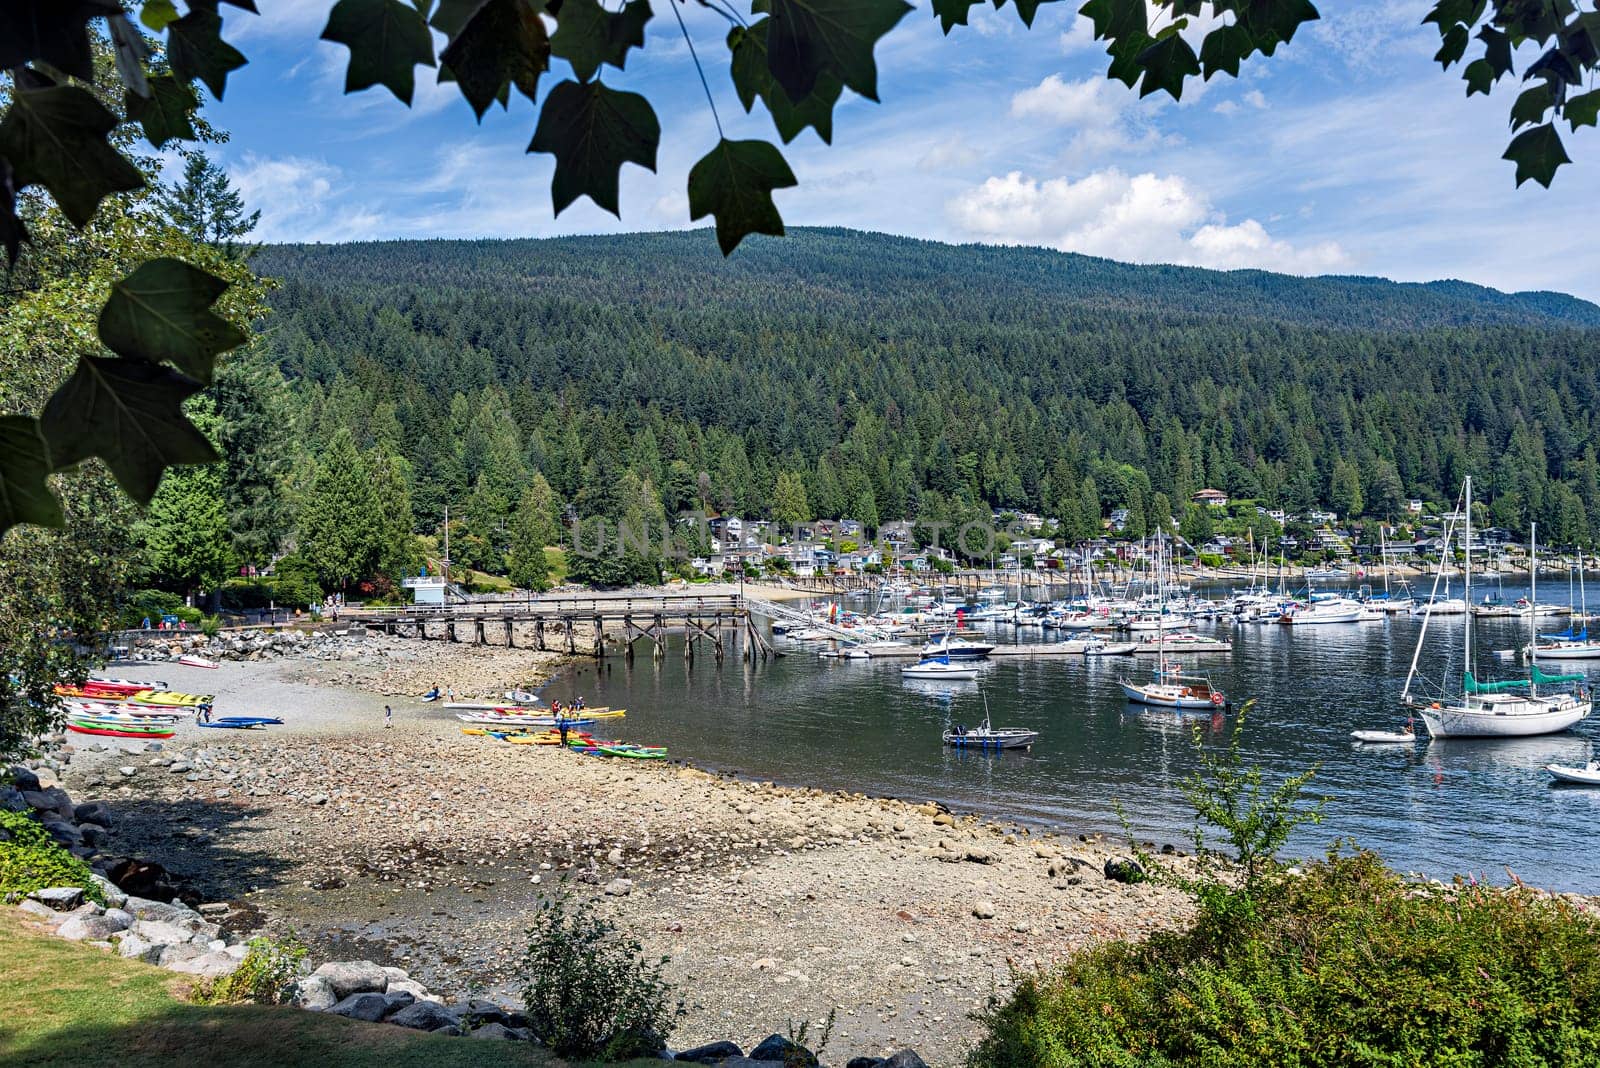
{"x":427,"y":848}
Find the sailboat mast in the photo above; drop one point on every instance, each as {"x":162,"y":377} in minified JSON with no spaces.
{"x":1433,"y":594}
{"x":1467,"y":580}
{"x":1533,"y":603}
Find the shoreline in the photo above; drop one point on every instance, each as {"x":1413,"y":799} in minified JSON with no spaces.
{"x":428,"y":849}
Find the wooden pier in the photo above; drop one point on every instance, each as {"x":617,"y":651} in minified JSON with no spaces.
{"x":587,"y":625}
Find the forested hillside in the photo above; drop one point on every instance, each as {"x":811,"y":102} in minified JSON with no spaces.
{"x":841,"y":373}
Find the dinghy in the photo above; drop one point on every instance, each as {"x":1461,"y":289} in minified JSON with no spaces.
{"x":191,"y":660}
{"x":1384,"y":737}
{"x":1589,"y":775}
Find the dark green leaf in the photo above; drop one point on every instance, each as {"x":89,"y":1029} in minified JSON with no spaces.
{"x":953,"y":13}
{"x":734,"y":183}
{"x":1496,"y":50}
{"x":1537,"y":153}
{"x":1166,"y":64}
{"x":165,"y":114}
{"x":195,"y":49}
{"x":1531,"y":106}
{"x":130,"y":414}
{"x":1115,"y":19}
{"x":1582,"y":38}
{"x":1453,"y":47}
{"x":25,"y":496}
{"x":1555,"y":66}
{"x":1224,"y":48}
{"x":54,"y":31}
{"x":1028,"y":8}
{"x":592,"y":130}
{"x":162,"y":313}
{"x":809,"y":38}
{"x":56,"y":138}
{"x":1280,"y":19}
{"x":386,"y":38}
{"x":1583,"y":110}
{"x":503,"y":44}
{"x":452,"y":16}
{"x":13,"y":232}
{"x":1125,"y":66}
{"x":587,"y":35}
{"x":752,"y":80}
{"x":1448,"y":13}
{"x":1479,"y":76}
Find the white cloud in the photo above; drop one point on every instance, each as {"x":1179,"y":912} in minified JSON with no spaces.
{"x":297,"y":198}
{"x":1078,"y":37}
{"x":950,"y":154}
{"x":1140,"y":218}
{"x":1227,"y":107}
{"x":1091,"y":102}
{"x":1256,"y":99}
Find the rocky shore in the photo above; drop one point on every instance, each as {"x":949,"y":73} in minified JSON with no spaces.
{"x":423,"y":849}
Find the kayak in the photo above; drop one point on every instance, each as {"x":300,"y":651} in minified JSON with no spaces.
{"x":170,"y":699}
{"x":631,"y":752}
{"x":240,"y":722}
{"x":197,"y":661}
{"x":107,"y":732}
{"x":123,"y":685}
{"x":1382,"y":737}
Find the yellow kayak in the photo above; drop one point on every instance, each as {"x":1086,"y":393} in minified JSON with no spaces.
{"x":171,"y":699}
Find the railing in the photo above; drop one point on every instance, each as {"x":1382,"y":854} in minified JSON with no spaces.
{"x":608,"y":605}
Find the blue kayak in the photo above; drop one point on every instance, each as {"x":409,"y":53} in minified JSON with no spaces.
{"x":241,"y":722}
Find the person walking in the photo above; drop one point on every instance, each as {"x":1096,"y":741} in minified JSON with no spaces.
{"x":388,"y":717}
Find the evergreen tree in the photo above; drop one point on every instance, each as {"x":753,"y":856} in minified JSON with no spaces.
{"x":203,"y":204}
{"x":789,"y":507}
{"x":184,"y":533}
{"x":340,"y":522}
{"x":255,"y":437}
{"x":531,"y":530}
{"x":1344,"y":490}
{"x":398,"y":553}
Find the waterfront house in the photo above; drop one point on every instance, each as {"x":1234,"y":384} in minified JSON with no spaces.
{"x":1212,"y":498}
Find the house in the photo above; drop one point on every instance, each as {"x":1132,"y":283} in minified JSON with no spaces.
{"x":1210,"y":497}
{"x":896,"y":533}
{"x":1318,"y":515}
{"x":425,"y":589}
{"x":850,"y":528}
{"x":727,"y":529}
{"x":802,"y":557}
{"x":1119,"y":519}
{"x":1277,"y":515}
{"x":708,"y":566}
{"x":1414,"y":506}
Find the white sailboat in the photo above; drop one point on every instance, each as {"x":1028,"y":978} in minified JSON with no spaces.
{"x":1508,"y":709}
{"x":1168,"y":687}
{"x":1573,"y":643}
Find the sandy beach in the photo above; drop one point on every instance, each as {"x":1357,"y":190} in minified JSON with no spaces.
{"x":426,"y":848}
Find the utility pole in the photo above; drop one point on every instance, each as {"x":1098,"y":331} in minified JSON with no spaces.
{"x":446,"y":560}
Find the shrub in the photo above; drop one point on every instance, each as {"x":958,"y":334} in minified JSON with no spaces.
{"x":589,"y":992}
{"x":31,"y":860}
{"x":1348,"y":964}
{"x":211,"y":626}
{"x":147,"y":604}
{"x":264,"y":977}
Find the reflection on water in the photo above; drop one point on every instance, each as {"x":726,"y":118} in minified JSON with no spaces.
{"x":1440,"y":807}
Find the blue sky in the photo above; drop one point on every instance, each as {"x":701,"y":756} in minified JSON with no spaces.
{"x":1347,"y":152}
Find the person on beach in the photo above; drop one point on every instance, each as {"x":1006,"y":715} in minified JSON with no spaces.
{"x":388,"y":717}
{"x":578,"y":704}
{"x":561,"y":725}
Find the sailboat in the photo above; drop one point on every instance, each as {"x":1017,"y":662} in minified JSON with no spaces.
{"x":938,"y":667}
{"x":1574,"y":642}
{"x":1168,"y":687}
{"x":1512,"y":708}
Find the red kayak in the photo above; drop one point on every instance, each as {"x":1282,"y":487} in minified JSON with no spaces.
{"x":121,"y":686}
{"x":109,"y":733}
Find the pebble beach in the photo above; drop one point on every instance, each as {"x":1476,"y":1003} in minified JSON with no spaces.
{"x":421,"y":847}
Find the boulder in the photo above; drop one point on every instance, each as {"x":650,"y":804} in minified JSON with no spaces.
{"x":864,"y":1062}
{"x":747,"y":1062}
{"x":984,"y":910}
{"x":424,"y":1016}
{"x":407,"y":986}
{"x":475,"y":1012}
{"x":314,"y":993}
{"x":23,"y":778}
{"x":778,"y":1048}
{"x":213,"y":965}
{"x":59,"y":898}
{"x":493,"y":1030}
{"x":92,"y":834}
{"x":89,"y":928}
{"x":142,"y":879}
{"x":120,"y":916}
{"x":711,"y":1053}
{"x":145,"y":909}
{"x":136,"y":948}
{"x":368,"y":1007}
{"x":395,"y":1000}
{"x":348,"y":977}
{"x":92,"y":812}
{"x":11,"y":800}
{"x":33,"y":908}
{"x":906,"y":1058}
{"x":1124,"y":870}
{"x":166,"y":934}
{"x":619,"y":887}
{"x":174,"y":955}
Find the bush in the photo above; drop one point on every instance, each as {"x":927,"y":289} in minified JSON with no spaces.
{"x":147,"y":604}
{"x":31,"y":860}
{"x":264,"y":977}
{"x":589,"y":992}
{"x":1348,"y":964}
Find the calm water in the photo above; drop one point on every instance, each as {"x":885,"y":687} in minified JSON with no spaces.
{"x":1441,"y":807}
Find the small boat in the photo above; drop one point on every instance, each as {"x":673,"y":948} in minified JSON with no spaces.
{"x":629,"y":752}
{"x":432,"y":695}
{"x":122,"y":685}
{"x":957,"y":648}
{"x":519,"y":722}
{"x":1168,"y":688}
{"x":1406,"y":736}
{"x":117,"y":732}
{"x":240,"y":722}
{"x":522,"y":697}
{"x":1105,"y":648}
{"x":987,"y":737}
{"x":1588,"y":775}
{"x":169,"y":699}
{"x":938,"y":667}
{"x":191,"y":660}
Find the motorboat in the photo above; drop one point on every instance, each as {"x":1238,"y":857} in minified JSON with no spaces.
{"x":957,"y":648}
{"x":1588,"y":775}
{"x":987,"y":737}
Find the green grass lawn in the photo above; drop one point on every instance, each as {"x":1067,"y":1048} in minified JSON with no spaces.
{"x":67,"y":1005}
